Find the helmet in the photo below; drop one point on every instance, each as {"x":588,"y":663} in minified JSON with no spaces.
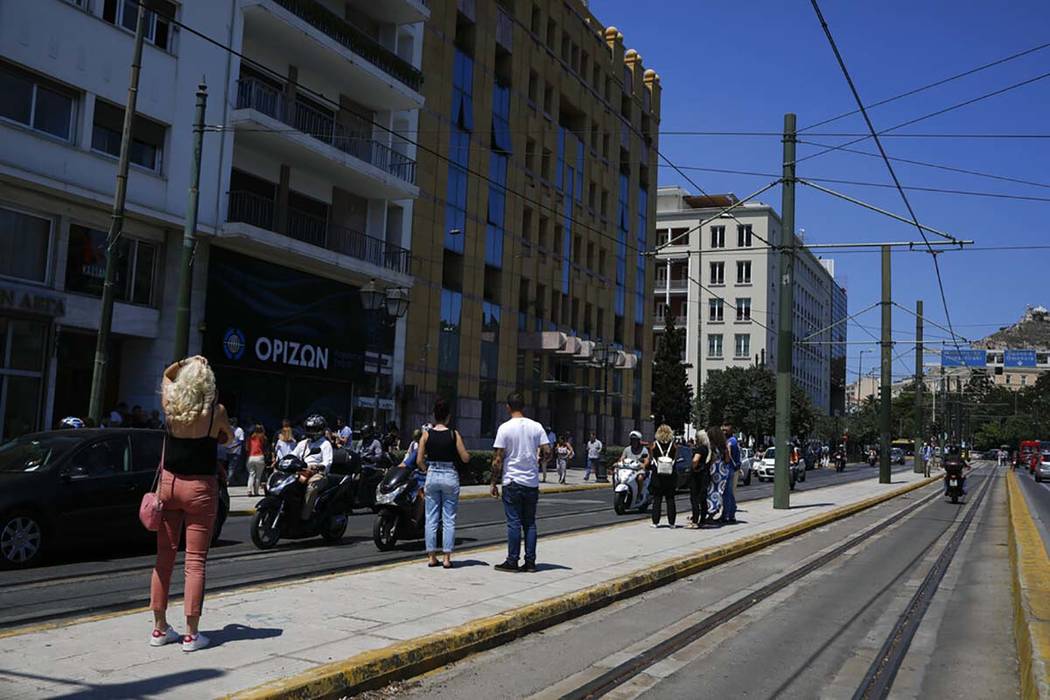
{"x":426,"y":427}
{"x":71,"y":423}
{"x":635,"y":435}
{"x":314,"y":426}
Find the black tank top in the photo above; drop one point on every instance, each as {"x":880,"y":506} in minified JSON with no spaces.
{"x":191,"y":456}
{"x":441,"y":446}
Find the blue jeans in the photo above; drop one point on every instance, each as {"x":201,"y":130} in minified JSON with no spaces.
{"x":519,"y":504}
{"x":592,"y":466}
{"x":729,"y":497}
{"x":441,"y":493}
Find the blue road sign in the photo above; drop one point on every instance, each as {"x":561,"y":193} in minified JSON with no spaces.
{"x":1019,"y":358}
{"x":963,"y":358}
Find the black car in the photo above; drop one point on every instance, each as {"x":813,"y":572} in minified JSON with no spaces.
{"x":77,"y":487}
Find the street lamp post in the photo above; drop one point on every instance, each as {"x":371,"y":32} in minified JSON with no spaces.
{"x":602,"y":354}
{"x":390,"y":304}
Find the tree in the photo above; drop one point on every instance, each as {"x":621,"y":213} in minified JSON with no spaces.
{"x":746,"y":397}
{"x":672,"y":393}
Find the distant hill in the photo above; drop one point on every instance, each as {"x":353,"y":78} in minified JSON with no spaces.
{"x":1031,"y":332}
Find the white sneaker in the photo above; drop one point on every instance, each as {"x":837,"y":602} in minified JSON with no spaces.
{"x":194,"y":642}
{"x":168,"y":636}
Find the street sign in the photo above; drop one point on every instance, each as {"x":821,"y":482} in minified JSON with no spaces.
{"x":1019,"y":358}
{"x":963,"y":358}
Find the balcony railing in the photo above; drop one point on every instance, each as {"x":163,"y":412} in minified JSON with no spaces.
{"x":253,"y":94}
{"x":256,"y":210}
{"x":661,"y":321}
{"x":323,"y":19}
{"x":661,"y":284}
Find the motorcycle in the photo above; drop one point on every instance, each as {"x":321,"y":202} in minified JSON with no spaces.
{"x":398,"y":512}
{"x":626,"y":493}
{"x":840,"y":462}
{"x":954,"y":482}
{"x":279,"y":513}
{"x":364,"y":476}
{"x":872,"y":459}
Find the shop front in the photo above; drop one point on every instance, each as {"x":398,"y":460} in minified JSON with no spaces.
{"x":285,"y":343}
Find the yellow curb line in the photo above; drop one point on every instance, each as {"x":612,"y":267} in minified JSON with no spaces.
{"x":1031,"y":595}
{"x":376,"y":668}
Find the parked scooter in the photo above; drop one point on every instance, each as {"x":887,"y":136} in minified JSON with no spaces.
{"x":627,"y":494}
{"x":279,"y":513}
{"x":399,"y":515}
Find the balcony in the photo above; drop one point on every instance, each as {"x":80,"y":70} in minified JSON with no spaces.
{"x":318,"y":142}
{"x":320,"y":42}
{"x":398,"y":11}
{"x":674,"y":286}
{"x":261,"y":213}
{"x":660,"y":322}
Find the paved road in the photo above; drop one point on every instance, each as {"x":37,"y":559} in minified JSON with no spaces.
{"x":815,"y":637}
{"x":93,"y":580}
{"x":1038,"y":497}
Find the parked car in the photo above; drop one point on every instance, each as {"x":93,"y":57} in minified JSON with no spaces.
{"x":765,"y":470}
{"x":747,"y":458}
{"x":1042,"y":470}
{"x":896,"y":455}
{"x":77,"y":486}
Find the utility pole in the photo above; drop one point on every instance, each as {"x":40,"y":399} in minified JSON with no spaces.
{"x":887,"y":367}
{"x":917,"y":463}
{"x":116,"y":227}
{"x":785,"y":321}
{"x":189,"y":232}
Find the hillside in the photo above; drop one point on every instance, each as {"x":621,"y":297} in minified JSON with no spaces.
{"x":1031,"y":332}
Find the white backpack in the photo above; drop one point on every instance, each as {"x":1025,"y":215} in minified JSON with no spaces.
{"x":664,"y":464}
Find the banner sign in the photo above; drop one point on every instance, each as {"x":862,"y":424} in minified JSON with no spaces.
{"x":963,"y":358}
{"x":1019,"y":358}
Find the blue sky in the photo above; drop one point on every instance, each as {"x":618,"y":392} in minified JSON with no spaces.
{"x":740,"y":66}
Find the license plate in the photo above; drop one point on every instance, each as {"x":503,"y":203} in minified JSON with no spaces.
{"x":953,"y":482}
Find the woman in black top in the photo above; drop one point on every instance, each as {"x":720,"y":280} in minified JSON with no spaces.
{"x":440,"y":449}
{"x":663,"y":456}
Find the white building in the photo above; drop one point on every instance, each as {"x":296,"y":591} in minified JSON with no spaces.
{"x":719,"y":281}
{"x":306,"y":194}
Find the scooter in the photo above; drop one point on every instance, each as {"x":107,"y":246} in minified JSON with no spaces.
{"x":364,"y":476}
{"x":626,"y":493}
{"x":954,"y":482}
{"x":398,"y":512}
{"x":840,"y":462}
{"x":872,"y":459}
{"x":279,"y":513}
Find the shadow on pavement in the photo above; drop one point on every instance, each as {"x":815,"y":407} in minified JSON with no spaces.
{"x":812,"y":505}
{"x":552,"y":567}
{"x":240,"y":633}
{"x":131,"y":689}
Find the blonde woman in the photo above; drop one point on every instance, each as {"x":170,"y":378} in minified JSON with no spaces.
{"x":189,"y":490}
{"x":664,"y":455}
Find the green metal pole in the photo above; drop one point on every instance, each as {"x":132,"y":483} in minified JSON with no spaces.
{"x":887,"y":368}
{"x":917,"y":462}
{"x":785,"y":318}
{"x":189,"y":232}
{"x":116,"y":227}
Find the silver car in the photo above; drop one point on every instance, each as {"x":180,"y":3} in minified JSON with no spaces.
{"x":747,"y":458}
{"x":1042,"y":470}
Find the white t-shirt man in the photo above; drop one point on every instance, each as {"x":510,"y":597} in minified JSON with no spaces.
{"x":322,"y":459}
{"x":520,"y":439}
{"x":594,"y":449}
{"x":238,"y":441}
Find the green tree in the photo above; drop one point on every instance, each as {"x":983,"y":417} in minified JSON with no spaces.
{"x":672,"y":394}
{"x":746,"y":397}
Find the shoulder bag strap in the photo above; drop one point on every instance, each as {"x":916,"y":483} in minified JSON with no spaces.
{"x":160,"y":465}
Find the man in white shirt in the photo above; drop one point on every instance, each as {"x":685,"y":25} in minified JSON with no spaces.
{"x":520,"y":447}
{"x":594,"y":456}
{"x":235,"y":451}
{"x":316,"y":451}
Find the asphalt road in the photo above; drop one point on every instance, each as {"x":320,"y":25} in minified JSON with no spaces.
{"x":90,"y":580}
{"x":815,"y":637}
{"x":1038,"y":497}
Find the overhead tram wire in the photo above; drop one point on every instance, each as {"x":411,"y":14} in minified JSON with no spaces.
{"x":889,"y":165}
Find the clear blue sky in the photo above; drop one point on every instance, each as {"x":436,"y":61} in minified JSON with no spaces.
{"x":742,"y":65}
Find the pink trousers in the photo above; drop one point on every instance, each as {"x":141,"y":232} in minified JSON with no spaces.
{"x":193,"y":501}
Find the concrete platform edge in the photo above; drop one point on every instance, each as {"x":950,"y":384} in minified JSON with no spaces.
{"x":1030,"y":570}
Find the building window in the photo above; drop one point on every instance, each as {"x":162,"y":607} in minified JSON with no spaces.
{"x":743,"y":309}
{"x":125,"y":13}
{"x":147,"y":136}
{"x":25,"y":245}
{"x":718,"y":273}
{"x":496,"y":210}
{"x":448,"y":342}
{"x":37,"y":103}
{"x":718,"y":236}
{"x":136,"y":266}
{"x":534,"y":88}
{"x":716,"y":310}
{"x":22,"y":357}
{"x":459,"y":151}
{"x":742,"y":345}
{"x":743,"y":272}
{"x":714,"y":345}
{"x":743,"y":236}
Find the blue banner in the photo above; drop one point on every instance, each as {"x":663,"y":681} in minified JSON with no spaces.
{"x":1019,"y":358}
{"x":963,"y":358}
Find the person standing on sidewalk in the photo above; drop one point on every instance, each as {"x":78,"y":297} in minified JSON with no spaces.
{"x":235,"y":451}
{"x":733,"y":454}
{"x":563,"y":453}
{"x":719,"y":472}
{"x":189,"y":491}
{"x":439,"y":450}
{"x":699,"y":480}
{"x":594,"y":456}
{"x":521,"y":445}
{"x":927,"y":457}
{"x":665,"y":452}
{"x":257,"y":447}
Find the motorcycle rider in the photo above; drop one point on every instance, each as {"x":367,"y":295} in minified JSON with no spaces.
{"x":70,"y":423}
{"x":316,"y":451}
{"x":639,"y":452}
{"x":371,"y":447}
{"x":954,"y":463}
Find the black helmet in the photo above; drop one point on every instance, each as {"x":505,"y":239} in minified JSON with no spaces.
{"x":314,"y":426}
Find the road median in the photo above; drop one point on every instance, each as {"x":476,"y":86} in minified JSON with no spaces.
{"x":1031,"y":595}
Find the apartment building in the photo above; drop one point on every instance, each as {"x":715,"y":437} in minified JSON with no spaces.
{"x":717,"y":277}
{"x":536,"y":169}
{"x":307,"y":190}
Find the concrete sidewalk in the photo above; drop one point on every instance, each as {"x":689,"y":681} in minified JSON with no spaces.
{"x":264,"y":634}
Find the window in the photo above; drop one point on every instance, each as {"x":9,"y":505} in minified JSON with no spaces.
{"x":552,"y":33}
{"x":103,"y":458}
{"x":743,"y":236}
{"x":742,"y":345}
{"x":743,"y":309}
{"x":125,"y":13}
{"x":25,"y":244}
{"x":448,"y":342}
{"x":714,"y":345}
{"x":743,"y":272}
{"x":147,"y":136}
{"x":716,"y":310}
{"x":718,"y":273}
{"x":548,"y":99}
{"x":37,"y":103}
{"x":136,"y":266}
{"x":534,"y":88}
{"x":534,"y":20}
{"x":718,"y":236}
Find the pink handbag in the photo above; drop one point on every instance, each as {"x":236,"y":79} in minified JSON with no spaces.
{"x":151,"y":509}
